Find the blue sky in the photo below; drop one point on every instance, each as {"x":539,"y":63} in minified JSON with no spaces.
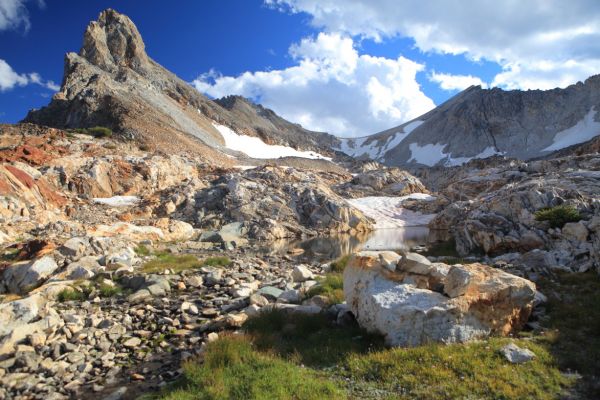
{"x":351,"y":68}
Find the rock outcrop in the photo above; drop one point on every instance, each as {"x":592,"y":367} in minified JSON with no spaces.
{"x":412,"y":301}
{"x":112,"y":82}
{"x":478,"y":123}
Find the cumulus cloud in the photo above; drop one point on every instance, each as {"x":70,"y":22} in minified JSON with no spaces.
{"x":455,"y":82}
{"x":539,"y":44}
{"x":332,"y":88}
{"x":10,"y":79}
{"x":13,"y":14}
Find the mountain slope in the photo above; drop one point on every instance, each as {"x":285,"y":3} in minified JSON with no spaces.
{"x":112,"y":82}
{"x":478,"y":123}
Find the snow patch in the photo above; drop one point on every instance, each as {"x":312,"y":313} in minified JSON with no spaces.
{"x":254,"y":147}
{"x":583,"y":131}
{"x":357,"y":147}
{"x":431,"y":154}
{"x":388,"y":212}
{"x":117,"y":201}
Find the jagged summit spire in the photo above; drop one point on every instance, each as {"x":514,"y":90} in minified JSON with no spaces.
{"x":114,"y":41}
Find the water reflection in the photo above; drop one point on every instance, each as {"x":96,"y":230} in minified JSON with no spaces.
{"x":325,"y":248}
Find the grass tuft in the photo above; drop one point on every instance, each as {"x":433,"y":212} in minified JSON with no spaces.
{"x":177,"y":263}
{"x":142,"y":250}
{"x":558,"y":216}
{"x":71,"y":295}
{"x":109,"y":291}
{"x":332,"y":287}
{"x":220,"y":261}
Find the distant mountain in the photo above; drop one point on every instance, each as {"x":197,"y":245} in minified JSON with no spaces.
{"x":479,"y":123}
{"x":112,"y":82}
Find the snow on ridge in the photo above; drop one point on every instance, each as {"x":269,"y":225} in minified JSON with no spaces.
{"x":431,"y":154}
{"x":356,"y":147}
{"x":117,"y":201}
{"x":582,"y":131}
{"x":254,"y":147}
{"x":388,"y":212}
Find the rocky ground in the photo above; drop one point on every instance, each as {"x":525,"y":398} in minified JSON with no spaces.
{"x":119,"y":263}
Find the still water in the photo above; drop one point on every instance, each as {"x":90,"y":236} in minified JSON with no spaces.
{"x":325,"y":248}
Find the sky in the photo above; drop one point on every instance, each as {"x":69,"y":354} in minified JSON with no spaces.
{"x":351,"y":68}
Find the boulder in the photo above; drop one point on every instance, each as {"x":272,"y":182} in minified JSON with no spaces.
{"x":470,"y":302}
{"x":301,"y":273}
{"x":575,"y":231}
{"x":23,"y":276}
{"x":516,"y":354}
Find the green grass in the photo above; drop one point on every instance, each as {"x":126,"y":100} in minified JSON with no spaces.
{"x":558,"y":216}
{"x":170,"y":261}
{"x":359,"y":363}
{"x":109,"y":291}
{"x":232,"y":369}
{"x":340,"y":264}
{"x":96,"y":131}
{"x":574,"y":318}
{"x":471,"y":371}
{"x":332,"y":287}
{"x":71,"y":295}
{"x":142,"y":250}
{"x":220,"y":261}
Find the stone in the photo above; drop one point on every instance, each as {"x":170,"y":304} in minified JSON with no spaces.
{"x":189,"y":308}
{"x":575,"y":231}
{"x":132,"y":342}
{"x":516,"y":355}
{"x":270,"y":292}
{"x":415,"y":263}
{"x":259,"y":300}
{"x":301,"y":273}
{"x":21,"y":277}
{"x":212,"y":337}
{"x":290,"y":296}
{"x":75,"y":247}
{"x":194,"y":281}
{"x":487,"y":301}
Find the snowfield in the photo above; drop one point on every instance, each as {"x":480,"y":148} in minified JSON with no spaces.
{"x":117,"y":201}
{"x":254,"y":147}
{"x":431,"y":154}
{"x":357,"y":147}
{"x":583,"y":131}
{"x":388,"y":212}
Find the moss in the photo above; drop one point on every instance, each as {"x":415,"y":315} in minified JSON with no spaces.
{"x":232,"y":369}
{"x":177,"y":263}
{"x":558,"y":216}
{"x":220,"y":261}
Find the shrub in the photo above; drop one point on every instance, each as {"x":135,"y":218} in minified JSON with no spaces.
{"x":558,"y":216}
{"x":71,"y":295}
{"x":99,"y":131}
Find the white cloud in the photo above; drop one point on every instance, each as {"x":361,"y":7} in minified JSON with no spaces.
{"x":455,"y":82}
{"x":332,"y":88}
{"x":10,"y":79}
{"x":539,"y":44}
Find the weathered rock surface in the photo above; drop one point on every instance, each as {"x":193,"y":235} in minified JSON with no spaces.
{"x":419,"y":303}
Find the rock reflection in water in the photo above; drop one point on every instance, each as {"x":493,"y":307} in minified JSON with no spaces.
{"x":325,"y":248}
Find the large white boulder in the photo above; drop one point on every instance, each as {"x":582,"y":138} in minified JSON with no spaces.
{"x":443,"y":304}
{"x":23,"y":276}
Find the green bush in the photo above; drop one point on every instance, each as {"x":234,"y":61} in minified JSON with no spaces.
{"x":558,"y":216}
{"x":99,"y":131}
{"x":71,"y":295}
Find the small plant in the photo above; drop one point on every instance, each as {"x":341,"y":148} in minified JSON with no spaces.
{"x":109,"y":291}
{"x":220,"y":261}
{"x":340,"y":264}
{"x":99,"y":131}
{"x":332,"y":287}
{"x":177,"y":263}
{"x":558,"y":216}
{"x":142,"y":250}
{"x":71,"y":295}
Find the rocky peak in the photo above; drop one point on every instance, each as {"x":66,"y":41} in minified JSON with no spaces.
{"x":114,"y":41}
